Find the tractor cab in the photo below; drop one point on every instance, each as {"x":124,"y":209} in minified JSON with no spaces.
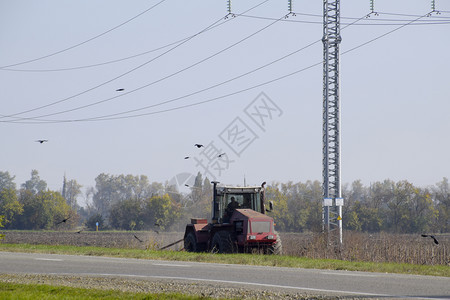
{"x":227,"y":199}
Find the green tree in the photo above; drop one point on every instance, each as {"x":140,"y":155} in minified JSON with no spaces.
{"x":126,"y":215}
{"x":160,"y":210}
{"x":7,"y":181}
{"x":421,"y":211}
{"x":106,"y":194}
{"x":44,"y":210}
{"x":361,"y":217}
{"x":313,"y":195}
{"x":10,"y":207}
{"x":197,"y":189}
{"x":441,"y":195}
{"x":2,"y":236}
{"x":35,"y":184}
{"x":352,"y":221}
{"x":71,"y":191}
{"x":110,"y":190}
{"x":280,"y":213}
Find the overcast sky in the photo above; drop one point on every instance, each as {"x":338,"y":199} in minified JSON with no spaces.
{"x":190,"y":76}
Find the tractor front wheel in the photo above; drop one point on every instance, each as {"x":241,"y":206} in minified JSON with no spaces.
{"x":277,"y":247}
{"x":190,"y":242}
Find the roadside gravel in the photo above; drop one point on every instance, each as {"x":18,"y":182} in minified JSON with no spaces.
{"x":160,"y":286}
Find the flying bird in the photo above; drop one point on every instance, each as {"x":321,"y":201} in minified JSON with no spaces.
{"x":199,"y":145}
{"x":138,"y":239}
{"x":220,"y":155}
{"x":186,"y":157}
{"x":41,"y":141}
{"x":63,"y":221}
{"x":120,"y":90}
{"x":431,"y":236}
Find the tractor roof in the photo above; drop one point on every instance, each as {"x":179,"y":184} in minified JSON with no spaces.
{"x":238,"y":190}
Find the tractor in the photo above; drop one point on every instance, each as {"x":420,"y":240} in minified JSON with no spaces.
{"x":238,"y":223}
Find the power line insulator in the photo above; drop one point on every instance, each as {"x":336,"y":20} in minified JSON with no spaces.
{"x":229,"y":10}
{"x":372,"y":9}
{"x":290,"y":9}
{"x":433,"y":8}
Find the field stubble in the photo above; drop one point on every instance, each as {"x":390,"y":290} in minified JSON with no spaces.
{"x":381,"y":247}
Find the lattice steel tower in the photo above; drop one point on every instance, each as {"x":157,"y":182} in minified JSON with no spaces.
{"x":332,"y":203}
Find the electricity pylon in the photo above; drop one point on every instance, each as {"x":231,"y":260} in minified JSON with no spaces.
{"x":332,"y":203}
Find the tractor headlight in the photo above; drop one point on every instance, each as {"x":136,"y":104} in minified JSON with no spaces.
{"x":252,"y":237}
{"x":270,"y":237}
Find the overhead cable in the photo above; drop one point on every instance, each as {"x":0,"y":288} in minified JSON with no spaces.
{"x":126,"y":73}
{"x":215,"y":98}
{"x":84,"y":42}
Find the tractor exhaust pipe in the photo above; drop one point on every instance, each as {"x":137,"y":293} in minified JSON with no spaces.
{"x":215,"y":206}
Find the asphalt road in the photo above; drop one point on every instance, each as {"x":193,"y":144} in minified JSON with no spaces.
{"x":326,"y":282}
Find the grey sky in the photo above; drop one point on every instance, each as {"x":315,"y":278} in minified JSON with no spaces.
{"x":394,"y":91}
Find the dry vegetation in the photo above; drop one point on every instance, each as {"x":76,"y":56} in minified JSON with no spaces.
{"x":381,"y":247}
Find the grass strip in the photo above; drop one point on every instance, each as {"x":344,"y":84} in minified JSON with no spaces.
{"x":42,"y":291}
{"x":246,"y":259}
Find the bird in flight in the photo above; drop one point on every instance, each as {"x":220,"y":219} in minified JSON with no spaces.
{"x":220,"y":155}
{"x":120,"y":90}
{"x":186,"y":157}
{"x":199,"y":145}
{"x":63,"y":221}
{"x":41,"y":141}
{"x":431,"y":236}
{"x":138,"y":238}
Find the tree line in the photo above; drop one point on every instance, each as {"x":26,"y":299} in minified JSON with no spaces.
{"x":128,"y":202}
{"x":397,"y":207}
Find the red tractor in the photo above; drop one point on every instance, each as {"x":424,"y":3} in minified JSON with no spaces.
{"x":238,"y":224}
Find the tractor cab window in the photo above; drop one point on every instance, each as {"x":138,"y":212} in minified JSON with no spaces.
{"x":250,"y":201}
{"x":227,"y":203}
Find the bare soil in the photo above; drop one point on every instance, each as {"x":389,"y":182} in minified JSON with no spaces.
{"x":356,"y":246}
{"x":137,"y":240}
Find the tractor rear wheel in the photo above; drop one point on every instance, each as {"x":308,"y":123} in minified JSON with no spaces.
{"x":223,"y":242}
{"x":190,"y":243}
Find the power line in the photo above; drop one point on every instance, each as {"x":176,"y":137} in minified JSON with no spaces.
{"x":108,"y":81}
{"x":440,"y":20}
{"x":227,"y":81}
{"x":108,"y":118}
{"x":132,"y":70}
{"x":385,"y":34}
{"x":369,"y":22}
{"x":161,"y":79}
{"x":86,"y":41}
{"x":111,"y":61}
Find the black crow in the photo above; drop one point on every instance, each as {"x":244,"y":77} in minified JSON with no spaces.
{"x":41,"y":141}
{"x":120,"y":90}
{"x":63,"y":221}
{"x":431,"y":236}
{"x":199,"y":145}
